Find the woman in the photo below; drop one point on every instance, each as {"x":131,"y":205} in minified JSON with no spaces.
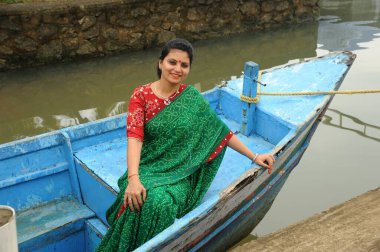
{"x":175,"y":146}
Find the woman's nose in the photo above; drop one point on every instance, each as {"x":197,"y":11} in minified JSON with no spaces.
{"x":177,"y":67}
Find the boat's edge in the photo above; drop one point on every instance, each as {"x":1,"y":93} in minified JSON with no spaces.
{"x":255,"y":172}
{"x":244,"y":180}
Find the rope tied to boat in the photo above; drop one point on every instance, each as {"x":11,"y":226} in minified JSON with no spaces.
{"x":350,"y":92}
{"x":332,"y":92}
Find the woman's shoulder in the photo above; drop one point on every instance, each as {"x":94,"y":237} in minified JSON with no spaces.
{"x":193,"y":89}
{"x":142,"y":91}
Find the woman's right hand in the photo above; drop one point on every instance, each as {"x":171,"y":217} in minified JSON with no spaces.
{"x":135,"y":194}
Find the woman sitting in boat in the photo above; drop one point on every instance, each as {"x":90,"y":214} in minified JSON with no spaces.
{"x":176,"y":144}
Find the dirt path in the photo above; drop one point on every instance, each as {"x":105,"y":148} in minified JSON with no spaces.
{"x":351,"y":226}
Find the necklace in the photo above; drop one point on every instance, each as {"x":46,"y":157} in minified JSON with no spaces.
{"x":167,"y":100}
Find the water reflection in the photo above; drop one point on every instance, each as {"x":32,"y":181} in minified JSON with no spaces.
{"x":351,"y":123}
{"x":78,"y":92}
{"x":352,"y":10}
{"x":38,"y":122}
{"x":116,"y":108}
{"x":65,"y":121}
{"x":346,"y":24}
{"x":89,"y":114}
{"x":328,"y":172}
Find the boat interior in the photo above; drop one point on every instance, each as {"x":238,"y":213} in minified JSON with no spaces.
{"x":61,"y":183}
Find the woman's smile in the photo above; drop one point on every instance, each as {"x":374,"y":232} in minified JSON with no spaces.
{"x":175,"y":76}
{"x":175,"y":67}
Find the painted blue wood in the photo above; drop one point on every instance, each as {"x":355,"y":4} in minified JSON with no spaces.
{"x":230,"y":107}
{"x":34,"y":222}
{"x":37,"y":191}
{"x":94,"y":231}
{"x":56,"y":226}
{"x":22,"y":178}
{"x":315,"y":75}
{"x":213,"y":98}
{"x":93,"y":133}
{"x":251,"y":71}
{"x":172,"y":231}
{"x":72,"y":170}
{"x":97,"y":194}
{"x":70,"y":237}
{"x":34,"y":171}
{"x":272,"y":129}
{"x":107,"y":163}
{"x":40,"y":174}
{"x":31,"y":160}
{"x":21,"y":147}
{"x":253,"y":210}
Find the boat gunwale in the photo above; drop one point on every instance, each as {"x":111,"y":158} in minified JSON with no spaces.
{"x":251,"y":174}
{"x":232,"y":189}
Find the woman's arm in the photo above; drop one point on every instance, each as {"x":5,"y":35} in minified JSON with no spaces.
{"x":133,"y":156}
{"x":264,"y":160}
{"x":135,"y":190}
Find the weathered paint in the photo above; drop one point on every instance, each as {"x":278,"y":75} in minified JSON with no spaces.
{"x":69,"y":237}
{"x":94,"y":231}
{"x":39,"y":228}
{"x":240,"y":199}
{"x":251,"y":72}
{"x":236,"y":226}
{"x":97,"y":195}
{"x":45,"y":168}
{"x":72,"y":170}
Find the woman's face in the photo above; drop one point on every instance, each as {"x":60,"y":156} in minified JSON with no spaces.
{"x":175,"y":66}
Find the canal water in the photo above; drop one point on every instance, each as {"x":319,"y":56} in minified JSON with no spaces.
{"x":343,"y":158}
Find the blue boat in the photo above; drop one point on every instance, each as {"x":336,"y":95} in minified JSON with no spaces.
{"x":61,"y":183}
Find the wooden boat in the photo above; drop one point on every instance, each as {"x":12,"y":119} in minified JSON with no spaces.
{"x":62,"y":182}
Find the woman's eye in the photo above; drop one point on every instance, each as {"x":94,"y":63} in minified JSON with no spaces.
{"x":184,"y":65}
{"x":172,"y":62}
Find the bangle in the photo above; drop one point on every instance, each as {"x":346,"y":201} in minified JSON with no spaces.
{"x":255,"y":157}
{"x":130,"y":176}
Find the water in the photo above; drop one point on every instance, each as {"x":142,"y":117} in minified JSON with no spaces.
{"x":342,"y":160}
{"x":37,"y":100}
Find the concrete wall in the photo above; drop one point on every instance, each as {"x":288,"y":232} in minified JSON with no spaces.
{"x":40,"y":33}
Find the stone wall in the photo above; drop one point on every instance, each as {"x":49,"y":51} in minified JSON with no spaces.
{"x":40,"y":33}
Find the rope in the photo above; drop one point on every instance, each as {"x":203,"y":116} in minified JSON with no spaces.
{"x":322,"y":92}
{"x":256,"y":99}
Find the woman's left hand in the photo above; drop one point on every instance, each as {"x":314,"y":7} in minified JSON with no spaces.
{"x":266,"y":161}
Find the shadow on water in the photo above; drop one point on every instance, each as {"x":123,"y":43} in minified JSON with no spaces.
{"x":346,"y":24}
{"x":351,"y":123}
{"x":37,"y":100}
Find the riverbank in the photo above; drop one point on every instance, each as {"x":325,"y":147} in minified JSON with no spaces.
{"x":39,"y":33}
{"x":351,"y":226}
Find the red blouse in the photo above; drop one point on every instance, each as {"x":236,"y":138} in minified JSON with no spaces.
{"x":145,"y":104}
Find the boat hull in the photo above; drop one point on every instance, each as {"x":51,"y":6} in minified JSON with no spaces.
{"x":241,"y":210}
{"x":61,"y":183}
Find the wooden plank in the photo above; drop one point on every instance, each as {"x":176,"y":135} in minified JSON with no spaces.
{"x":41,"y":220}
{"x":251,"y":71}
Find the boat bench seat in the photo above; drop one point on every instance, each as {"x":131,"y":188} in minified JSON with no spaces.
{"x":56,"y":220}
{"x":100,"y":166}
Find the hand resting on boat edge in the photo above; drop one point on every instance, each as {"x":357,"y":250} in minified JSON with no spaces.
{"x":172,"y":155}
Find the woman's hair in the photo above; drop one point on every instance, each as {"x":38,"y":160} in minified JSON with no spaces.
{"x":177,"y":43}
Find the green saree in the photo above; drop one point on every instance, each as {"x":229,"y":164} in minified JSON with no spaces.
{"x":173,"y":169}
